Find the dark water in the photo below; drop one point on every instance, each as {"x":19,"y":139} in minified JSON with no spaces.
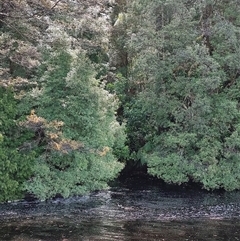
{"x":145,"y":212}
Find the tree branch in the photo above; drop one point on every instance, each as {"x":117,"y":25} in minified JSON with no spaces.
{"x":55,"y":4}
{"x":13,"y":27}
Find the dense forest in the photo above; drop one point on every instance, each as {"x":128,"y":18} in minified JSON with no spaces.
{"x":88,"y":87}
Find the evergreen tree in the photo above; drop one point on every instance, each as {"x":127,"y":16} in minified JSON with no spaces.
{"x":80,"y":156}
{"x":15,"y":165}
{"x":183,"y":117}
{"x":53,"y":55}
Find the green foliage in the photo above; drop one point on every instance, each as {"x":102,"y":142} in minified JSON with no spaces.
{"x":15,"y":167}
{"x":183,"y":116}
{"x":71,"y":94}
{"x":53,"y":61}
{"x":177,"y":78}
{"x":7,"y":110}
{"x":72,"y":174}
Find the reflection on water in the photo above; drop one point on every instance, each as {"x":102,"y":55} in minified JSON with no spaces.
{"x":126,"y":213}
{"x":93,"y":229}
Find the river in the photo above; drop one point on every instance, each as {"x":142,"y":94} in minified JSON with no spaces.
{"x":132,"y":211}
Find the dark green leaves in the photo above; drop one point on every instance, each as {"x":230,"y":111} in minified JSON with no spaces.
{"x":184,"y":121}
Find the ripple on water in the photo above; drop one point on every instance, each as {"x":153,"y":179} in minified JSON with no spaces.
{"x":125,"y":214}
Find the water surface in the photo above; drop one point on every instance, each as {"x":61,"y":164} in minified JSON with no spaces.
{"x":129,"y":212}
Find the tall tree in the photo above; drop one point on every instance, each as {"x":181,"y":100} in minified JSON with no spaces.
{"x":54,"y":56}
{"x":183,"y":118}
{"x":79,"y":155}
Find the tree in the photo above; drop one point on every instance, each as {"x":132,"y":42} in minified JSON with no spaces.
{"x":78,"y":157}
{"x":15,"y":165}
{"x":183,"y":118}
{"x":54,"y":56}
